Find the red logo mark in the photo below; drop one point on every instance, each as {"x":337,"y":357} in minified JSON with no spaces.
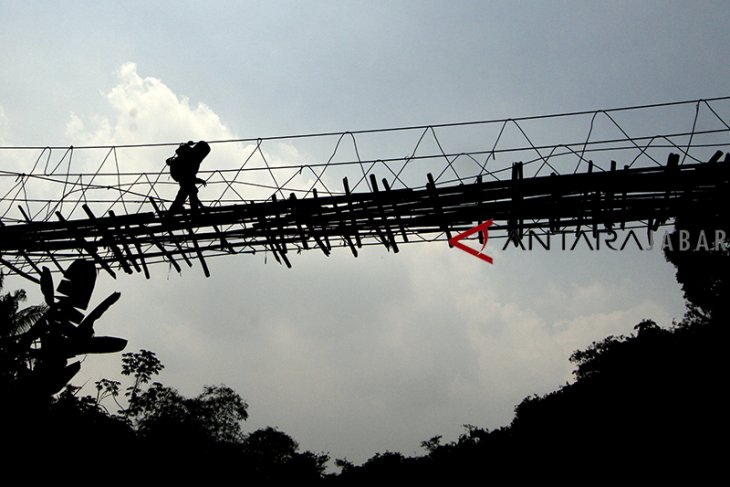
{"x":455,"y":241}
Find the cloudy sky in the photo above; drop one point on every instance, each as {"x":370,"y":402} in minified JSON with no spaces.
{"x":357,"y":356}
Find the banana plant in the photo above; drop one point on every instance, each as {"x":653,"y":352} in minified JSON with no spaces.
{"x":64,"y":331}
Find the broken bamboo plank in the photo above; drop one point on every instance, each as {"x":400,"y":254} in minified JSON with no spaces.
{"x":313,"y":230}
{"x":24,"y":255}
{"x":162,"y":248}
{"x":350,"y":207}
{"x":109,"y":241}
{"x":388,"y":233}
{"x":517,"y":223}
{"x":130,"y":257}
{"x":319,"y":214}
{"x":294,"y":209}
{"x":173,"y":238}
{"x":22,"y":252}
{"x":191,"y":234}
{"x":48,"y":252}
{"x":277,"y":222}
{"x":608,"y":216}
{"x":273,"y":244}
{"x":18,"y":271}
{"x":431,"y":188}
{"x":343,"y":229}
{"x":396,"y":211}
{"x":81,"y":241}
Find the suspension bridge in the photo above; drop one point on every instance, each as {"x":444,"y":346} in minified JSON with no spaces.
{"x":610,"y":169}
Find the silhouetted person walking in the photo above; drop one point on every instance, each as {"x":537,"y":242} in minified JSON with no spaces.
{"x":184,"y":166}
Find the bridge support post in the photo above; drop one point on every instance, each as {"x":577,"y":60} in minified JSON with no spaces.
{"x":515,"y":225}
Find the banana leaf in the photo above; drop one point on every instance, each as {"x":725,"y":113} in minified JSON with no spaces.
{"x":86,"y":328}
{"x":96,"y":345}
{"x":78,"y":283}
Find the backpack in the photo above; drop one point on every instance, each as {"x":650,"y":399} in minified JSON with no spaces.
{"x":187,"y":159}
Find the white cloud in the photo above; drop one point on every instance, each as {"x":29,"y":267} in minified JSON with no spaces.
{"x":147,"y":110}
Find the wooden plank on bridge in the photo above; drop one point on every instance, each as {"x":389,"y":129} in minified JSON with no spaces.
{"x":319,"y":214}
{"x":191,"y":233}
{"x":109,"y":241}
{"x":353,"y":220}
{"x":624,"y":209}
{"x":388,"y":239}
{"x":475,"y":190}
{"x":278,"y":223}
{"x":157,"y":244}
{"x":294,"y":210}
{"x":515,"y":225}
{"x":431,"y":188}
{"x":396,"y":211}
{"x":173,"y":238}
{"x":87,"y":247}
{"x":279,"y":255}
{"x":609,"y":214}
{"x":50,"y":254}
{"x":24,"y":254}
{"x":308,"y":222}
{"x":128,"y":252}
{"x":673,"y":175}
{"x":343,"y":228}
{"x":18,"y":271}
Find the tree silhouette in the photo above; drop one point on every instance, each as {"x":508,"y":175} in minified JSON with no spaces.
{"x":276,"y":458}
{"x":643,"y":410}
{"x":38,"y":342}
{"x":698,"y":248}
{"x":35,"y":348}
{"x":202,"y":436}
{"x":14,"y":321}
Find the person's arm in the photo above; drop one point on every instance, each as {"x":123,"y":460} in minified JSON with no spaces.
{"x":200,"y":181}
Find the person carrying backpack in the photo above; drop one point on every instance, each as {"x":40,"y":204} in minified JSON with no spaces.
{"x":184,"y":166}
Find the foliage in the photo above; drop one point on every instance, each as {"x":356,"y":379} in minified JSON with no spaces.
{"x":207,"y":428}
{"x":704,"y":267}
{"x":636,"y":401}
{"x":432,"y":443}
{"x":36,"y":343}
{"x":609,"y":352}
{"x":107,"y":388}
{"x":271,"y":444}
{"x":15,"y":355}
{"x":13,"y":320}
{"x":344,"y":465}
{"x":214,"y":416}
{"x":142,"y":366}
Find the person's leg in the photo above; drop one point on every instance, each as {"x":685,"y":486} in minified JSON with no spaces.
{"x":177,"y":205}
{"x":194,"y":200}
